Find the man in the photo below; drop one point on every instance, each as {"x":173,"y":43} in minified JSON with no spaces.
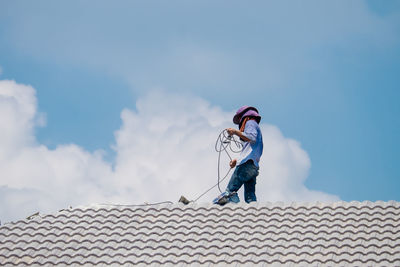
{"x":247,"y":166}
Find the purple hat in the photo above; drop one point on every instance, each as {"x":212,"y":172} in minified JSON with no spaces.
{"x":246,"y":111}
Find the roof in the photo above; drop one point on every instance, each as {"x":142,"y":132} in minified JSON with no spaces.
{"x":344,"y":233}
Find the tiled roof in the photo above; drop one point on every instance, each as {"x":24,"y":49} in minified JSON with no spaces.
{"x":341,"y":233}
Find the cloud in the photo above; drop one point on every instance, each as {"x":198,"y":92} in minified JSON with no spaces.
{"x":164,"y":148}
{"x":31,"y":172}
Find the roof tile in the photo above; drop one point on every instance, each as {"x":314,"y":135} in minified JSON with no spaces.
{"x":326,"y":234}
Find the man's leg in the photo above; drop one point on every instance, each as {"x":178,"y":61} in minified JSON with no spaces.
{"x":234,"y":184}
{"x":250,"y":190}
{"x":250,"y":173}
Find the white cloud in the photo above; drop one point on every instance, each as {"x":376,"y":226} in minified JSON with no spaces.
{"x":165,"y":148}
{"x":33,"y":176}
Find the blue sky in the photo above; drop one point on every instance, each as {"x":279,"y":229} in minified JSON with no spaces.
{"x":325,"y":73}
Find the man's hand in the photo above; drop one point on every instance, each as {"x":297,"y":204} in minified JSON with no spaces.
{"x":231,"y":131}
{"x":233,"y":163}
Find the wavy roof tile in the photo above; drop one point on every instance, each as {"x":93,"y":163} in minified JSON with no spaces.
{"x":341,"y":233}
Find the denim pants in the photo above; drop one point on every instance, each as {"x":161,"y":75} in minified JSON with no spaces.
{"x":245,"y":174}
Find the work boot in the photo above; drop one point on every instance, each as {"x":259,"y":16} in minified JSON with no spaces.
{"x":222,"y":199}
{"x":233,"y":197}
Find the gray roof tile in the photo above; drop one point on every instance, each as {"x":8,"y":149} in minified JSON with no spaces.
{"x":317,"y":234}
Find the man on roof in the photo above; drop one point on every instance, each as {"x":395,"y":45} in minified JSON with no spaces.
{"x":247,"y":165}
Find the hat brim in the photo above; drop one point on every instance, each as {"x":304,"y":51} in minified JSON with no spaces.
{"x":237,"y":118}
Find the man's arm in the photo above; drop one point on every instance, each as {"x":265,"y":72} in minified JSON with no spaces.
{"x":232,"y":131}
{"x":249,"y":134}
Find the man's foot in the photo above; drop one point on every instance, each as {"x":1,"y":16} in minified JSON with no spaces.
{"x":222,"y":199}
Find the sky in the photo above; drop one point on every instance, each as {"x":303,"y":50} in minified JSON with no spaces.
{"x":121,"y":102}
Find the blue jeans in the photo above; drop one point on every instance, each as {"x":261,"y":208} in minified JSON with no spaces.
{"x":245,"y":174}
